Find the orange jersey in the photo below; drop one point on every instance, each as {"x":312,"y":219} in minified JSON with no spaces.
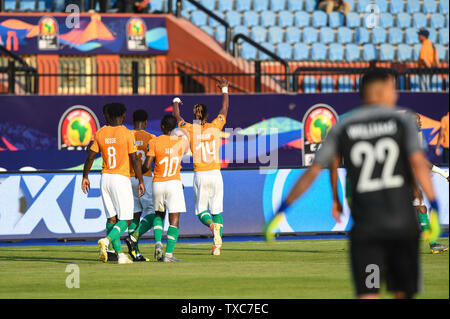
{"x":142,"y":139}
{"x":115,"y":143}
{"x":167,"y":152}
{"x":445,"y":130}
{"x":205,"y":143}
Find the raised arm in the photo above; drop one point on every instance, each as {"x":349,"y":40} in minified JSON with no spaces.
{"x":85,"y":184}
{"x":176,"y":109}
{"x":223,"y":86}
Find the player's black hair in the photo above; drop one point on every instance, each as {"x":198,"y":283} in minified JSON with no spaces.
{"x":140,"y":116}
{"x":204,"y":110}
{"x":115,"y":110}
{"x":169,"y":123}
{"x":372,"y":76}
{"x":105,"y":109}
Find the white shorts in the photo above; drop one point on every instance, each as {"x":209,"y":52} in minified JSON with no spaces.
{"x":117,"y":196}
{"x":142,"y":204}
{"x":169,"y":196}
{"x":208,"y":192}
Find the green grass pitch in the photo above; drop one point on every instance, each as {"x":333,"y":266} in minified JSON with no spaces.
{"x":285,"y":269}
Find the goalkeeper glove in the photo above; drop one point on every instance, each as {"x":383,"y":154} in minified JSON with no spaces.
{"x":432,"y":234}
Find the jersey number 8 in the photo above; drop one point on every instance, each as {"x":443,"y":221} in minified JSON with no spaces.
{"x":112,"y":157}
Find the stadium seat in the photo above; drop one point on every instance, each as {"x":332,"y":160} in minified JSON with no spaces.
{"x":233,"y":18}
{"x":309,"y":84}
{"x":223,"y":5}
{"x":404,"y":52}
{"x":186,"y":5}
{"x":416,"y":51}
{"x":335,"y":19}
{"x":352,"y":52}
{"x":208,"y":4}
{"x":260,"y":5}
{"x":433,"y":35}
{"x":186,"y":14}
{"x":345,"y":84}
{"x":362,"y":35}
{"x":285,"y":19}
{"x":318,"y":51}
{"x":198,"y":18}
{"x":386,"y":20}
{"x":443,"y":36}
{"x":352,"y":20}
{"x":220,"y":33}
{"x":243,"y":5}
{"x":413,"y":6}
{"x":344,"y":35}
{"x":248,"y":51}
{"x":415,"y":83}
{"x":240,"y":29}
{"x":309,"y":35}
{"x":319,"y":19}
{"x":326,"y":84}
{"x":369,"y":52}
{"x":10,"y":5}
{"x":441,"y":52}
{"x":362,"y":5}
{"x":419,"y":20}
{"x":267,"y":18}
{"x":443,"y":6}
{"x":284,"y":51}
{"x":382,"y":5}
{"x":277,"y":5}
{"x":301,"y":19}
{"x":268,"y":46}
{"x":258,"y":34}
{"x":275,"y":35}
{"x":387,"y":52}
{"x":429,"y":6}
{"x":301,"y":51}
{"x":351,"y":3}
{"x":396,"y":6}
{"x":310,"y":5}
{"x":403,"y":20}
{"x":411,"y":36}
{"x":436,"y":83}
{"x":326,"y":35}
{"x":27,"y":5}
{"x":336,"y":52}
{"x":292,"y":35}
{"x":213,"y":22}
{"x":251,"y":18}
{"x":208,"y":30}
{"x":378,"y":35}
{"x":295,"y":5}
{"x":437,"y":21}
{"x":395,"y":36}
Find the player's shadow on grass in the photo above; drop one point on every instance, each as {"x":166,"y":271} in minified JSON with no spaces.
{"x":45,"y":259}
{"x":257,"y":250}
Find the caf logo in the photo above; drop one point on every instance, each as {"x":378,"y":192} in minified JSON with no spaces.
{"x":77,"y":127}
{"x":48,"y":34}
{"x":136,"y":30}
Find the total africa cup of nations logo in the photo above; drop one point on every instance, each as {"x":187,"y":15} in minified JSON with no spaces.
{"x":317,"y":121}
{"x":77,"y":128}
{"x":136,"y":31}
{"x":48,"y":34}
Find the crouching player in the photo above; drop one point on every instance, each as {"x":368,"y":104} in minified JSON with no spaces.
{"x":166,"y":151}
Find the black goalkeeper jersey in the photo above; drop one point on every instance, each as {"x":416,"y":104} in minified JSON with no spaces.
{"x":375,"y":143}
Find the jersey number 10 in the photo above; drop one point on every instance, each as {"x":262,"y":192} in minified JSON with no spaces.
{"x":170,"y":167}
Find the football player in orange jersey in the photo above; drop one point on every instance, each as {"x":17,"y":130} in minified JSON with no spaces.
{"x":166,"y":151}
{"x":205,"y":144}
{"x":144,"y":203}
{"x":117,"y":146}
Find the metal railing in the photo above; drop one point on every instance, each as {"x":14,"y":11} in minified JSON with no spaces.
{"x":19,"y":75}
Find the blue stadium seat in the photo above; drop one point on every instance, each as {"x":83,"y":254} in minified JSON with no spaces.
{"x":415,"y":83}
{"x":419,"y":20}
{"x":404,"y":52}
{"x":352,"y":52}
{"x":443,"y":7}
{"x":403,"y":20}
{"x":240,"y":29}
{"x":382,"y":5}
{"x":248,"y":51}
{"x":345,"y":84}
{"x":258,"y":34}
{"x":436,"y":83}
{"x":395,"y":35}
{"x":351,"y":3}
{"x":198,"y":17}
{"x":378,"y":35}
{"x":186,"y":5}
{"x":433,"y":35}
{"x":251,"y":18}
{"x":443,"y":36}
{"x":243,"y":5}
{"x":319,"y":19}
{"x":344,"y":35}
{"x":267,"y":18}
{"x":386,"y":20}
{"x":309,"y":84}
{"x":301,"y":19}
{"x":335,"y":19}
{"x":352,"y":20}
{"x":268,"y":46}
{"x":10,"y":5}
{"x":284,"y":51}
{"x":309,"y":35}
{"x":310,"y":5}
{"x":285,"y":19}
{"x":301,"y":51}
{"x":396,"y":6}
{"x":186,"y":14}
{"x":413,"y":6}
{"x":220,"y":34}
{"x":208,"y":30}
{"x":208,"y":4}
{"x":295,"y":5}
{"x":326,"y":35}
{"x":292,"y":35}
{"x":362,"y":35}
{"x":213,"y":22}
{"x":318,"y":51}
{"x":441,"y":52}
{"x":27,"y":5}
{"x":362,"y":5}
{"x":448,"y":20}
{"x":223,"y":5}
{"x":437,"y":21}
{"x":326,"y":84}
{"x":411,"y":36}
{"x":369,"y":52}
{"x":429,"y":6}
{"x":387,"y":52}
{"x":275,"y":35}
{"x":277,"y":5}
{"x":336,"y":52}
{"x":260,"y":5}
{"x":416,"y":51}
{"x":233,"y":18}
